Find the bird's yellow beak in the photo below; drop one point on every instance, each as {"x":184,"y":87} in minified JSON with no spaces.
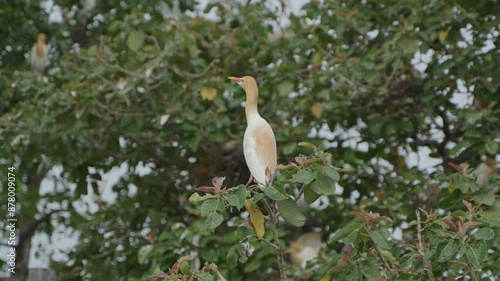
{"x":236,"y":79}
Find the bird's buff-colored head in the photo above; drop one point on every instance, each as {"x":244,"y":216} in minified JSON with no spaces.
{"x":246,"y":82}
{"x":41,"y":37}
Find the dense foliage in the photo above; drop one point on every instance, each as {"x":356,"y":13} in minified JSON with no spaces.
{"x":375,"y":83}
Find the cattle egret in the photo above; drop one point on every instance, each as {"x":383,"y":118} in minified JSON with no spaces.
{"x":485,"y":171}
{"x":304,"y":249}
{"x":259,"y":144}
{"x":38,"y":56}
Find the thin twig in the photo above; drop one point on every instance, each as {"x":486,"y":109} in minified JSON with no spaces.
{"x":184,"y":73}
{"x":420,"y":246}
{"x":279,"y":251}
{"x":386,"y":264}
{"x":301,"y":191}
{"x":269,"y":243}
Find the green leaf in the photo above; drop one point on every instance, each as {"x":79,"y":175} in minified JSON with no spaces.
{"x":135,"y":39}
{"x":205,"y":276}
{"x":304,"y":176}
{"x":476,"y":253}
{"x":381,"y":238}
{"x":483,"y":197}
{"x":194,"y":142}
{"x":185,"y":268}
{"x":491,"y":219}
{"x":407,"y":260}
{"x":210,"y":212}
{"x":323,"y":185}
{"x":310,"y":196}
{"x":195,"y":197}
{"x":285,"y":88}
{"x":344,"y":232}
{"x":351,"y":238}
{"x":330,"y":172}
{"x":491,"y":147}
{"x":232,"y":256}
{"x":236,"y":253}
{"x":290,"y":212}
{"x":237,"y":197}
{"x":451,"y":200}
{"x":288,"y":148}
{"x":375,"y":123}
{"x":485,"y":233}
{"x":458,"y":179}
{"x":458,"y":147}
{"x":428,"y":255}
{"x":449,"y":251}
{"x":276,"y":192}
{"x":143,"y":253}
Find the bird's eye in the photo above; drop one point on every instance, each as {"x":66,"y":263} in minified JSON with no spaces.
{"x":241,"y":81}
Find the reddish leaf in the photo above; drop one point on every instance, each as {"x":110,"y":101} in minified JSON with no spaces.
{"x":450,"y":224}
{"x":308,"y":161}
{"x":345,"y":259}
{"x":284,"y":167}
{"x":423,"y":212}
{"x":469,"y":206}
{"x":463,"y":264}
{"x":469,"y":224}
{"x":177,"y":265}
{"x":218,"y":181}
{"x":208,"y":189}
{"x":382,"y":218}
{"x":211,"y":266}
{"x":299,"y":160}
{"x":341,"y":170}
{"x":361,"y":215}
{"x":457,"y":168}
{"x":307,"y":144}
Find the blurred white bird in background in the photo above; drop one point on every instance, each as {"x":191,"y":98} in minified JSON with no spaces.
{"x":39,"y":54}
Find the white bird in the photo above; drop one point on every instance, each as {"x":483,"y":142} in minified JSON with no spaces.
{"x":304,"y":249}
{"x":259,"y":144}
{"x":485,"y":171}
{"x":38,"y":56}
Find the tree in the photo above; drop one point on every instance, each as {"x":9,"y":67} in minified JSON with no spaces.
{"x":143,"y":89}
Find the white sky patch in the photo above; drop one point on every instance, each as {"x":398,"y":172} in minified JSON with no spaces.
{"x":372,"y":34}
{"x":383,"y":165}
{"x":490,"y":43}
{"x":421,"y":61}
{"x":463,"y":97}
{"x":422,"y":159}
{"x":466,"y":33}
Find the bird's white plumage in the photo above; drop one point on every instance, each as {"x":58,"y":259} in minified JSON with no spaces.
{"x":39,"y":55}
{"x":259,"y":145}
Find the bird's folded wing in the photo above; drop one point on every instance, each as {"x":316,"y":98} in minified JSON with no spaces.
{"x":265,"y":146}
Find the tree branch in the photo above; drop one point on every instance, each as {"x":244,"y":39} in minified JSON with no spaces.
{"x":279,"y":251}
{"x":420,"y":246}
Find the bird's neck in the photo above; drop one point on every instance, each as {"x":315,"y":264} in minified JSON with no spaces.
{"x":251,"y":104}
{"x":40,"y":49}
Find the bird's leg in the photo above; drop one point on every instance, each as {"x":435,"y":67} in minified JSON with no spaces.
{"x":249,"y":181}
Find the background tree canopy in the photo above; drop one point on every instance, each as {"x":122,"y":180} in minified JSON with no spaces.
{"x":375,"y":83}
